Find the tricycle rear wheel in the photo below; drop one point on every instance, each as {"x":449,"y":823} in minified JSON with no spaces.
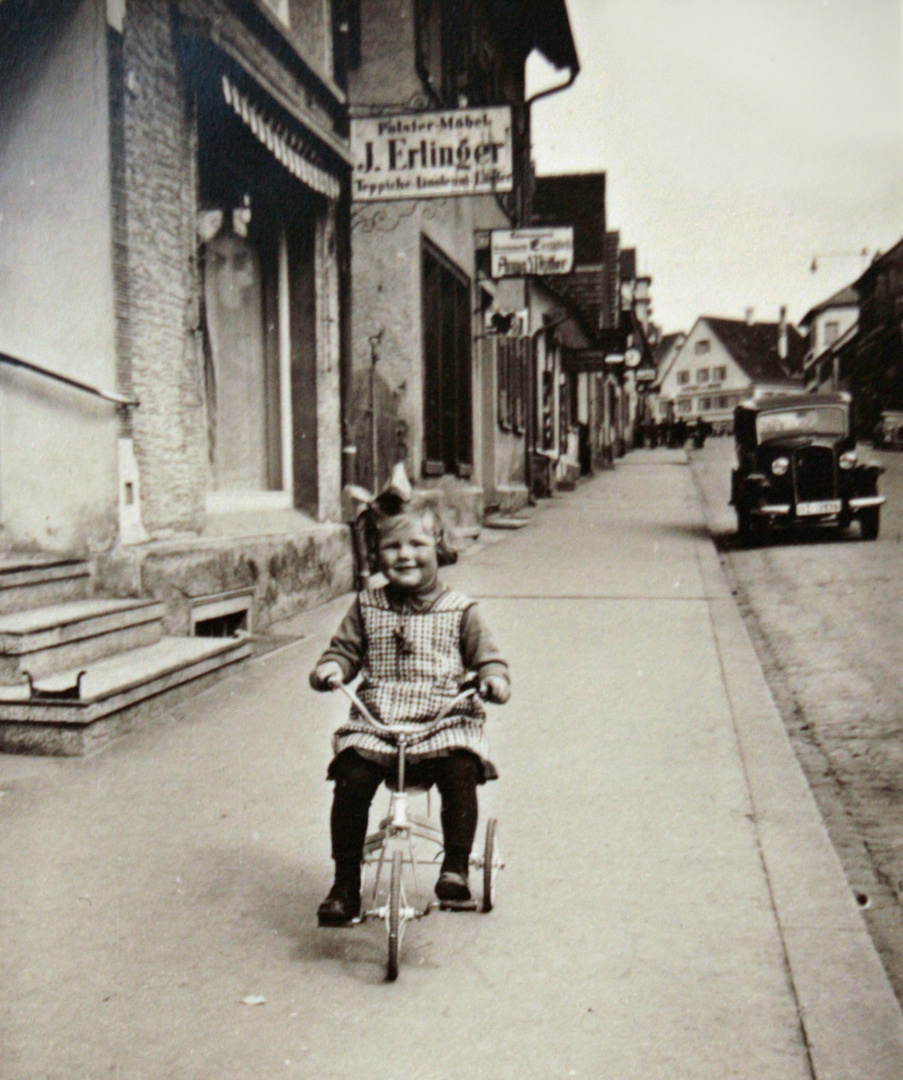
{"x":491,"y":862}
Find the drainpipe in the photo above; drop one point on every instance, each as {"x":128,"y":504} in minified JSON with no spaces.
{"x":572,"y":75}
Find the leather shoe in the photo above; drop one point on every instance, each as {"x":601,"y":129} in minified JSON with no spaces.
{"x":340,"y":908}
{"x":451,"y":886}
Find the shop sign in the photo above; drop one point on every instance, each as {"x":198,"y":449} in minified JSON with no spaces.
{"x":645,"y":374}
{"x":432,"y":154}
{"x":525,"y":252}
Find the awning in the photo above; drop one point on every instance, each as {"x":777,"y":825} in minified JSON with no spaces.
{"x":288,"y":147}
{"x":586,"y":360}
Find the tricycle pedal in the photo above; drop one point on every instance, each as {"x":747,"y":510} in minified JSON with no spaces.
{"x":457,"y":905}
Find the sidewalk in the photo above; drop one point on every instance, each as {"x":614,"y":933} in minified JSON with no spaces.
{"x":671,"y":907}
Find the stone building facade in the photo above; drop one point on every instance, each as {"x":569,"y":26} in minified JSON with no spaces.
{"x":426,"y":378}
{"x":184,"y":266}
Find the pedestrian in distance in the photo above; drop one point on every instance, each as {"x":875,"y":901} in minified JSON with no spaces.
{"x":413,"y":642}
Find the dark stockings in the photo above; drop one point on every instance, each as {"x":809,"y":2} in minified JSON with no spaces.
{"x":356,"y":781}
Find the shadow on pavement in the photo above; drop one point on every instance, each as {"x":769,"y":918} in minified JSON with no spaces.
{"x":767,"y":538}
{"x":278,"y":895}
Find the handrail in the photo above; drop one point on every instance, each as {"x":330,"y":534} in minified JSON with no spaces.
{"x":116,"y":399}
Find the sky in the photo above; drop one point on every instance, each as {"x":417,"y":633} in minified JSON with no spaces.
{"x":740,"y":140}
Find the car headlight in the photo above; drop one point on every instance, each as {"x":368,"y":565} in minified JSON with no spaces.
{"x":780,"y":465}
{"x":847,"y":459}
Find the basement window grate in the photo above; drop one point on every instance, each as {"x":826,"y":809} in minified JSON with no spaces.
{"x":222,"y":615}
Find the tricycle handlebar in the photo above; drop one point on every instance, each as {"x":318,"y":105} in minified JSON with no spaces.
{"x":467,"y":691}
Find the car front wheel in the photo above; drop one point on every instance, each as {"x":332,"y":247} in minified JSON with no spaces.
{"x":870,"y":523}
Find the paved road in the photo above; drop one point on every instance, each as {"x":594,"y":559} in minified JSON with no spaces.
{"x":825,"y":612}
{"x":671,"y":905}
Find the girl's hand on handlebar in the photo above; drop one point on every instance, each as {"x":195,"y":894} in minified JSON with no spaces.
{"x":495,"y":688}
{"x":328,"y":676}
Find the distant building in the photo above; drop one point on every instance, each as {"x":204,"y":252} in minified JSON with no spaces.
{"x":871,"y":362}
{"x":666,"y":349}
{"x":725,"y":361}
{"x":827,"y":325}
{"x":435,"y":381}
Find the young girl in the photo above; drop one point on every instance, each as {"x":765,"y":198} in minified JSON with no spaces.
{"x":413,"y":641}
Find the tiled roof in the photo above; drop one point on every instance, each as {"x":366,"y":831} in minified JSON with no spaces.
{"x":661,"y":349}
{"x":754,"y":346}
{"x":585,"y":289}
{"x":576,"y":199}
{"x":846,"y":297}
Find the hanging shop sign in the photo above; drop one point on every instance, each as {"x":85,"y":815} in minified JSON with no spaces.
{"x":527,"y":252}
{"x":432,"y":154}
{"x":645,"y":374}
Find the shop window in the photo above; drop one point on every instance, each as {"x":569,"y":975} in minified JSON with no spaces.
{"x":683,"y":377}
{"x":702,"y":375}
{"x":448,"y":419}
{"x":511,"y":375}
{"x":702,"y":347}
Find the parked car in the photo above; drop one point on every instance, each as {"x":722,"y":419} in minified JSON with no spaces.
{"x":888,"y":432}
{"x":797,"y":465}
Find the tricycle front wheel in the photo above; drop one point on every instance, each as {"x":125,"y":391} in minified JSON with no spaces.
{"x":394,"y":917}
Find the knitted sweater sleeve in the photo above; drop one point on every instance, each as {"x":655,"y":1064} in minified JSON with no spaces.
{"x":479,"y":650}
{"x":347,"y":645}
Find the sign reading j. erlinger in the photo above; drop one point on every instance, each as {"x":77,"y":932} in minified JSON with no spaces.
{"x":415,"y":156}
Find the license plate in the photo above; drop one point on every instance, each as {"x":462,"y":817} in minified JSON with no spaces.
{"x":810,"y":509}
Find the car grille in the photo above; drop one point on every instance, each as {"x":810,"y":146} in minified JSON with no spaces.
{"x":813,"y":470}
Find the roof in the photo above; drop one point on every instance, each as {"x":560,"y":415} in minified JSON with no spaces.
{"x":754,"y":346}
{"x":794,"y":401}
{"x":847,"y":297}
{"x":539,"y":24}
{"x":627,"y":264}
{"x":576,"y":199}
{"x":662,"y":347}
{"x":879,"y":262}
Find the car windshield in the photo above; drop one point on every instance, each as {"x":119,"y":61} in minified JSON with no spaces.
{"x":808,"y":420}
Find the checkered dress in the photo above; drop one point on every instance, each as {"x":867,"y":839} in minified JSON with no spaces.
{"x":412,"y":666}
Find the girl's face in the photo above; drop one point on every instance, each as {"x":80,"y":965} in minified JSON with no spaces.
{"x":407,"y":553}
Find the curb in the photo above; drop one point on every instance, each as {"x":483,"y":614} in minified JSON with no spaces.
{"x":850,"y":1018}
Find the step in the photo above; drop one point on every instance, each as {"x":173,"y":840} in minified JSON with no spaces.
{"x":116,"y":694}
{"x":58,"y":636}
{"x":502,"y":521}
{"x":28,"y":581}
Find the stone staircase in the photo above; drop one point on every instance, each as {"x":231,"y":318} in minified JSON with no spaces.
{"x":77,"y":670}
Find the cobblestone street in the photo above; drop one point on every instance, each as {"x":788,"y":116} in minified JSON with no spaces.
{"x":824,"y":613}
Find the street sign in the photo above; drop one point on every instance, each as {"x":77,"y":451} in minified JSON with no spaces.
{"x":432,"y":154}
{"x":528,"y":252}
